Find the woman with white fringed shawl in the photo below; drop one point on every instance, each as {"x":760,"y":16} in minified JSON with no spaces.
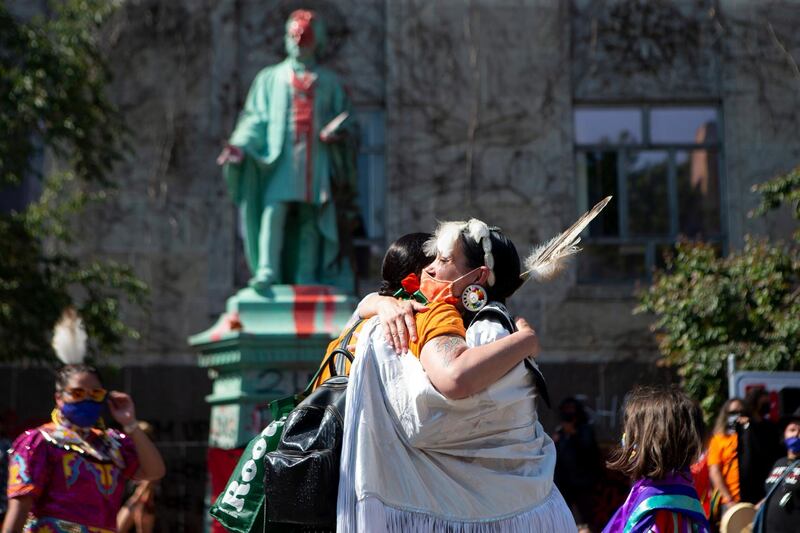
{"x":465,"y":420}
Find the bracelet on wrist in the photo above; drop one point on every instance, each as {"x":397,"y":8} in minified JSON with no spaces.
{"x":130,"y":428}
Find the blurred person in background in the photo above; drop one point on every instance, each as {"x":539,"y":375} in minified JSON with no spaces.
{"x":759,"y":445}
{"x":68,"y":475}
{"x":723,"y":458}
{"x":577,"y":460}
{"x":780,"y":510}
{"x":662,"y":437}
{"x":5,"y":444}
{"x":139,"y":511}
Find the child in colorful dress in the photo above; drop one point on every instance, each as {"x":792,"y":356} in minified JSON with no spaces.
{"x":69,"y":475}
{"x":662,"y":438}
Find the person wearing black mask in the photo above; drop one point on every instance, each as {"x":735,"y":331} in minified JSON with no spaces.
{"x":577,"y":460}
{"x":759,"y":446}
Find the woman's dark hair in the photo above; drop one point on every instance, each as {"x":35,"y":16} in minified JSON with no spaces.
{"x":506,"y":264}
{"x":722,"y":416}
{"x":405,"y":256}
{"x":752,"y":399}
{"x":663,"y":433}
{"x":67,"y":371}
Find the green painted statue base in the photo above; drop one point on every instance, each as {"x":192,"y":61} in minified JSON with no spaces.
{"x":266,"y":345}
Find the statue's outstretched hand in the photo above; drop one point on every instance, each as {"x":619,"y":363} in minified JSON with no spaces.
{"x":230,"y":154}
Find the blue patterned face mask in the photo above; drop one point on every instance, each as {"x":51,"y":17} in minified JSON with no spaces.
{"x":83,"y":414}
{"x":793,"y":444}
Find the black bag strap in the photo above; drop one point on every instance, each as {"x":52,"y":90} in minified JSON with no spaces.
{"x":499,"y":311}
{"x":330,"y":360}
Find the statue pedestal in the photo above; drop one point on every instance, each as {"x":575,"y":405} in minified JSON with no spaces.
{"x":266,"y":345}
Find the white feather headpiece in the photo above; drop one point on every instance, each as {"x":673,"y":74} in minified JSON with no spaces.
{"x":477,"y":229}
{"x":548,"y":260}
{"x":444,"y":241}
{"x":69,"y":338}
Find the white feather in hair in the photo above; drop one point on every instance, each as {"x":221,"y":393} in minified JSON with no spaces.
{"x":477,"y":229}
{"x":69,"y":338}
{"x":549,"y":259}
{"x":444,"y":240}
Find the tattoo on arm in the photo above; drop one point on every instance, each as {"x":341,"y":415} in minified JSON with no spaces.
{"x":449,"y":348}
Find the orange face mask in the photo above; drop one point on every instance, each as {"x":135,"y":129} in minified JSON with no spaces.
{"x":439,"y":290}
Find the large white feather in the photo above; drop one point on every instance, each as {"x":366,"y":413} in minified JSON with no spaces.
{"x":69,"y":338}
{"x":549,"y":259}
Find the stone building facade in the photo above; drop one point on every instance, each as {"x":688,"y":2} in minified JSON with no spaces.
{"x":519,"y":112}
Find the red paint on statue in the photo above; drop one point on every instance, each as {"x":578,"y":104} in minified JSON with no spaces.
{"x":306,"y":299}
{"x":231,"y":322}
{"x":301,"y":29}
{"x":303,"y":114}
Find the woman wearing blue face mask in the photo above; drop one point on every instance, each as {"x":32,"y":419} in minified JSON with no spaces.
{"x":779,"y":512}
{"x":69,"y":474}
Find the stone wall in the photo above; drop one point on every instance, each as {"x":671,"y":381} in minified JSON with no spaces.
{"x":760,"y":85}
{"x":478,"y":99}
{"x":181,"y":72}
{"x":479,"y":123}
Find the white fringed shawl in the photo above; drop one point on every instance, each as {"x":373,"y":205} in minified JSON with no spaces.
{"x":414,"y":461}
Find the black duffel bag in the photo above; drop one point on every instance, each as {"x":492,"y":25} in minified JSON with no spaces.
{"x":301,"y":477}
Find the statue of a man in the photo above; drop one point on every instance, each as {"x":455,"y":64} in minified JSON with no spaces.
{"x":289,"y":156}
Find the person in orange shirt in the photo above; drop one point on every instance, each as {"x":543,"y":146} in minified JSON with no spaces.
{"x":462,"y":262}
{"x":476,"y":269}
{"x":723,"y":461}
{"x":442,"y":322}
{"x":405,"y":256}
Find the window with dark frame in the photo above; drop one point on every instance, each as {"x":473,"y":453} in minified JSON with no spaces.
{"x":662,"y":164}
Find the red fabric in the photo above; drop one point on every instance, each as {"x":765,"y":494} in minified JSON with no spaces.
{"x":702,"y":482}
{"x":220,"y":464}
{"x":667,"y":522}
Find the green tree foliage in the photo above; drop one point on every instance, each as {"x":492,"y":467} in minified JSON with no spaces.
{"x":747,"y":303}
{"x":778,"y":191}
{"x":52,"y":82}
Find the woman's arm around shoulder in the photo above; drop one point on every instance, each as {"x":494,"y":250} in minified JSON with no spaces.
{"x":458,"y":371}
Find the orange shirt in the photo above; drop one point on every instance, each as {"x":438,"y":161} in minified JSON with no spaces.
{"x":440,"y":319}
{"x":722,"y":451}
